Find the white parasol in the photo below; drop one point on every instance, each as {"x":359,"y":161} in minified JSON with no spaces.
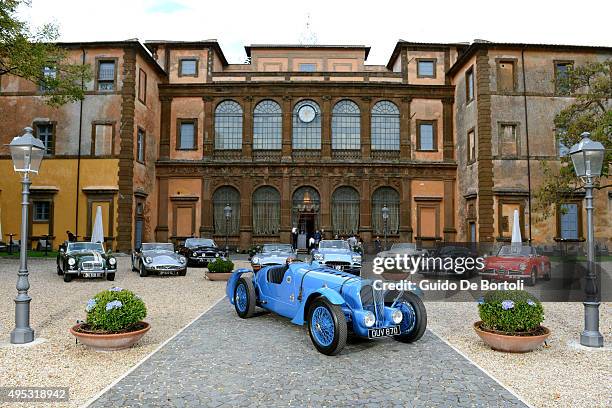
{"x":97,"y":235}
{"x":516,"y":241}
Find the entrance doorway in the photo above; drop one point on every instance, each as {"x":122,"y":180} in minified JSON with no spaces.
{"x":305,"y":214}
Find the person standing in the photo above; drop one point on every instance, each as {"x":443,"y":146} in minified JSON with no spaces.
{"x":377,"y":244}
{"x":294,"y":237}
{"x":317,"y":237}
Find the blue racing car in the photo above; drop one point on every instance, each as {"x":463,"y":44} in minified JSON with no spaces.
{"x":330,"y":302}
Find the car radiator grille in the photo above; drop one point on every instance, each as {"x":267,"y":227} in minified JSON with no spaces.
{"x":374,"y":301}
{"x":91,"y":265}
{"x":166,"y":267}
{"x":338,"y":264}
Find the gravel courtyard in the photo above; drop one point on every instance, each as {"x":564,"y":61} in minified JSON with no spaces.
{"x":172,"y":302}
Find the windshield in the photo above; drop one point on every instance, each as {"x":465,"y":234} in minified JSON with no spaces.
{"x":196,"y":242}
{"x":403,"y":245}
{"x":85,"y":246}
{"x":453,"y":251}
{"x":157,"y":247}
{"x":334,"y":245}
{"x":509,"y":250}
{"x":277,"y":248}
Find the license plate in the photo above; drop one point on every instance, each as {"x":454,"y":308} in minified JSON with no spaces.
{"x":92,"y":274}
{"x":167,"y":272}
{"x":385,"y":332}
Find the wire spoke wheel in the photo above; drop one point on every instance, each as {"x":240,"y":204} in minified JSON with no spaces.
{"x":241,"y":297}
{"x":327,"y":326}
{"x":322,"y":326}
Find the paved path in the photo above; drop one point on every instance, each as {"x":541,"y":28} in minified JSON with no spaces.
{"x":222,"y":360}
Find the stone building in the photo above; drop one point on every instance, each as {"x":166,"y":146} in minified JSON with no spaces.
{"x":306,"y":136}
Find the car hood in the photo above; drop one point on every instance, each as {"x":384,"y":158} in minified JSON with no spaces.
{"x":273,"y":257}
{"x":88,"y":256}
{"x":505,"y":261}
{"x":165,"y":259}
{"x":203,"y":248}
{"x":335,"y":251}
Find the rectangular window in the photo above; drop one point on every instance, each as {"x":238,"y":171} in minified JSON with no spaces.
{"x":186,"y":134}
{"x":426,"y":68}
{"x":506,"y":218}
{"x":142,"y":86}
{"x":471,"y":146}
{"x":469,"y":85}
{"x":41,"y":211}
{"x":102,"y":143}
{"x":505,"y":76}
{"x":568,"y":221}
{"x":44,"y":132}
{"x":508,"y":140}
{"x":562,"y":69}
{"x":140,"y":146}
{"x":426,"y":135}
{"x":188,"y":67}
{"x":307,"y":67}
{"x":106,"y":75}
{"x":48,"y":76}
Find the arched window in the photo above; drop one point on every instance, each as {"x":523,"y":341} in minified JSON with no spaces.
{"x":228,"y":126}
{"x":306,"y":126}
{"x":346,"y":129}
{"x":223,"y":196}
{"x":389,"y":197}
{"x":267,"y":126}
{"x":266,"y":211}
{"x":385,"y":126}
{"x":306,"y":204}
{"x":345,"y":211}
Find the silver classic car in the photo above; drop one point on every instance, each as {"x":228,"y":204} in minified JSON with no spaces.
{"x":158,"y":258}
{"x":272,"y":254}
{"x":337,"y":254}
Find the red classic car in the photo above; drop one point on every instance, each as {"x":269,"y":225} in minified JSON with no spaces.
{"x":513,"y":263}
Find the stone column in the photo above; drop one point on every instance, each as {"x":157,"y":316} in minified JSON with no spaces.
{"x":406,"y":210}
{"x":405,"y":137}
{"x":365,"y":211}
{"x":326,"y":129}
{"x":365,"y":108}
{"x":206,"y":216}
{"x":450,"y":232}
{"x":285,"y":229}
{"x":325,"y":209}
{"x":161,"y":230}
{"x":165,"y":126}
{"x":247,"y":128}
{"x":447,"y":136}
{"x":208,"y":130}
{"x":287,"y":129}
{"x":246,"y":216}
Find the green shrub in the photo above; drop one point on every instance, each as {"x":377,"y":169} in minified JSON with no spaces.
{"x":115,"y":310}
{"x":510,"y":311}
{"x":221,"y":265}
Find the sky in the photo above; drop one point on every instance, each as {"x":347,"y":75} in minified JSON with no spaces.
{"x":378,"y":24}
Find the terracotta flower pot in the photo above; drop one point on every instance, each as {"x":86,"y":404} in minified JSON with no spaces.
{"x":511,"y":344}
{"x":109,"y":342}
{"x":218,"y":276}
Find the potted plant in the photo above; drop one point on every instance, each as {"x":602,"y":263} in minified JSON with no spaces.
{"x":114,"y":321}
{"x":220,"y":269}
{"x":510,"y":321}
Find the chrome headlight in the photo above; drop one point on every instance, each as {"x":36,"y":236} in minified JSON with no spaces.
{"x":318,"y":257}
{"x":182,"y":259}
{"x":217,"y":255}
{"x":148,"y":259}
{"x":369,"y":319}
{"x":397,"y":316}
{"x":255,"y":260}
{"x":523,"y":266}
{"x":112,"y":261}
{"x":71,"y":261}
{"x":356,"y":258}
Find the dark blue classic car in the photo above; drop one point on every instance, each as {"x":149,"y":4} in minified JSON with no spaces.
{"x":330,"y":302}
{"x":338,"y":254}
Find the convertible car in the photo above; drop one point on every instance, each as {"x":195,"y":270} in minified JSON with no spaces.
{"x":85,"y":259}
{"x":271,"y":254}
{"x":517,"y":263}
{"x":330,"y":302}
{"x":200,"y":251}
{"x":337,"y":254}
{"x":158,"y":258}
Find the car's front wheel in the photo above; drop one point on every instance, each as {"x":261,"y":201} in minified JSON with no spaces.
{"x":533,"y":277}
{"x":143,"y":271}
{"x":110,"y":276}
{"x":327,"y":327}
{"x":183,"y":272}
{"x":67,"y":277}
{"x":414,"y":320}
{"x":244,"y":297}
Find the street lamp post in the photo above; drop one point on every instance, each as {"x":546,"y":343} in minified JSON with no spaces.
{"x":385,"y":217}
{"x":227,"y":211}
{"x":587,"y":157}
{"x":27,"y":153}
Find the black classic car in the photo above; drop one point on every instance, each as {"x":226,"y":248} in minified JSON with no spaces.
{"x":85,"y":259}
{"x":200,"y":251}
{"x":158,"y":258}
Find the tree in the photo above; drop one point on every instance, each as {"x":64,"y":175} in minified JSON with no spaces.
{"x":32,"y":55}
{"x":591,"y":111}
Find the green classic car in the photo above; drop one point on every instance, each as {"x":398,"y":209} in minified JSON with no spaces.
{"x":85,"y":259}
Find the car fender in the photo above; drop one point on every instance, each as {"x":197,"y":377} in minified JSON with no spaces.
{"x":232,"y":281}
{"x":331,"y":295}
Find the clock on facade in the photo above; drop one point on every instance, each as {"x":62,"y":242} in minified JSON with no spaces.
{"x":307,"y":113}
